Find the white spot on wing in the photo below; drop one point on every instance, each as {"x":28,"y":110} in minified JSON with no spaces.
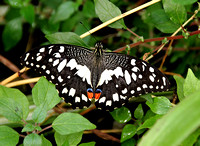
{"x":62,"y":65}
{"x":42,"y":50}
{"x":115,"y":97}
{"x":102,"y":99}
{"x":72,"y":64}
{"x":62,"y":49}
{"x":26,"y":56}
{"x":118,"y":72}
{"x":77,"y":99}
{"x":55,"y":62}
{"x":57,"y":55}
{"x":133,"y":62}
{"x":127,"y":77}
{"x":64,"y":90}
{"x":108,"y":103}
{"x":44,"y":67}
{"x":48,"y":71}
{"x":138,"y":89}
{"x":151,"y":78}
{"x":132,"y":91}
{"x":135,"y":69}
{"x":60,"y":79}
{"x":134,"y":76}
{"x":164,"y":80}
{"x":144,"y":86}
{"x":123,"y":97}
{"x":151,"y":69}
{"x":84,"y":97}
{"x":72,"y":92}
{"x":39,"y":58}
{"x":124,"y":91}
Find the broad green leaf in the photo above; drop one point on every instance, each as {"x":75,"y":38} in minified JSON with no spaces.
{"x":65,"y":38}
{"x":149,"y":122}
{"x":147,"y":97}
{"x":128,"y":131}
{"x":39,"y":114}
{"x":72,"y":139}
{"x":28,"y":128}
{"x":106,"y":11}
{"x":129,"y":142}
{"x":191,"y":139}
{"x":15,"y":3}
{"x":68,"y":123}
{"x":121,"y":115}
{"x":28,"y":13}
{"x":88,"y":144}
{"x":191,"y":84}
{"x":32,"y":140}
{"x":176,"y":12}
{"x":161,"y":105}
{"x":176,"y":125}
{"x":13,"y":104}
{"x":148,"y":115}
{"x":88,"y":9}
{"x":180,"y":82}
{"x":64,"y":11}
{"x":138,"y":113}
{"x":45,"y":94}
{"x":161,"y":21}
{"x":12,"y":33}
{"x":184,"y":2}
{"x":48,"y":27}
{"x":45,"y":142}
{"x":8,"y":136}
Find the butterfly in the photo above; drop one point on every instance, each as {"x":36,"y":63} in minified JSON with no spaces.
{"x":82,"y":75}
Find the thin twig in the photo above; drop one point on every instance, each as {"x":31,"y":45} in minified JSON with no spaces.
{"x":118,"y":17}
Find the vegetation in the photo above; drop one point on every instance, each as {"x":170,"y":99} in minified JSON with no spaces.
{"x":166,"y":33}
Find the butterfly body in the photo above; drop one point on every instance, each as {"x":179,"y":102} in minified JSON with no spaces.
{"x":81,"y":75}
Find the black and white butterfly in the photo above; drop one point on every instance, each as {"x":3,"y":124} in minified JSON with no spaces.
{"x":81,"y":75}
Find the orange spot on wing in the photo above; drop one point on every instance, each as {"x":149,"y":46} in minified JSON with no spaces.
{"x":97,"y":95}
{"x":90,"y":95}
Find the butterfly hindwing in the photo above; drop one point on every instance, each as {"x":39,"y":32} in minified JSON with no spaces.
{"x":62,"y":65}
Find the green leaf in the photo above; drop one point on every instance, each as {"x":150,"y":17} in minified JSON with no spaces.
{"x":121,"y":115}
{"x":176,"y":125}
{"x":12,"y":33}
{"x":48,"y":27}
{"x":185,"y":2}
{"x":176,"y":12}
{"x":68,"y":123}
{"x":65,"y":38}
{"x":88,"y":144}
{"x":191,"y":84}
{"x":129,"y":142}
{"x":32,"y":140}
{"x":161,"y":105}
{"x":106,"y":11}
{"x":191,"y":139}
{"x":28,"y":128}
{"x":8,"y":136}
{"x":64,"y":11}
{"x":45,"y":142}
{"x":88,"y":9}
{"x":161,"y":21}
{"x":72,"y":139}
{"x":13,"y":104}
{"x":39,"y":114}
{"x":138,"y":113}
{"x":128,"y":131}
{"x":45,"y":94}
{"x":28,"y":13}
{"x":149,"y":122}
{"x":15,"y":3}
{"x":148,"y":115}
{"x":147,"y":97}
{"x":180,"y":82}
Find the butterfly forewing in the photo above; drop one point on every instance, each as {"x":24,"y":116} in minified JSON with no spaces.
{"x":125,"y":77}
{"x":63,"y":65}
{"x":113,"y":77}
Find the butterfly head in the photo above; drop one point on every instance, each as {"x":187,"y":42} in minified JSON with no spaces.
{"x":98,"y":48}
